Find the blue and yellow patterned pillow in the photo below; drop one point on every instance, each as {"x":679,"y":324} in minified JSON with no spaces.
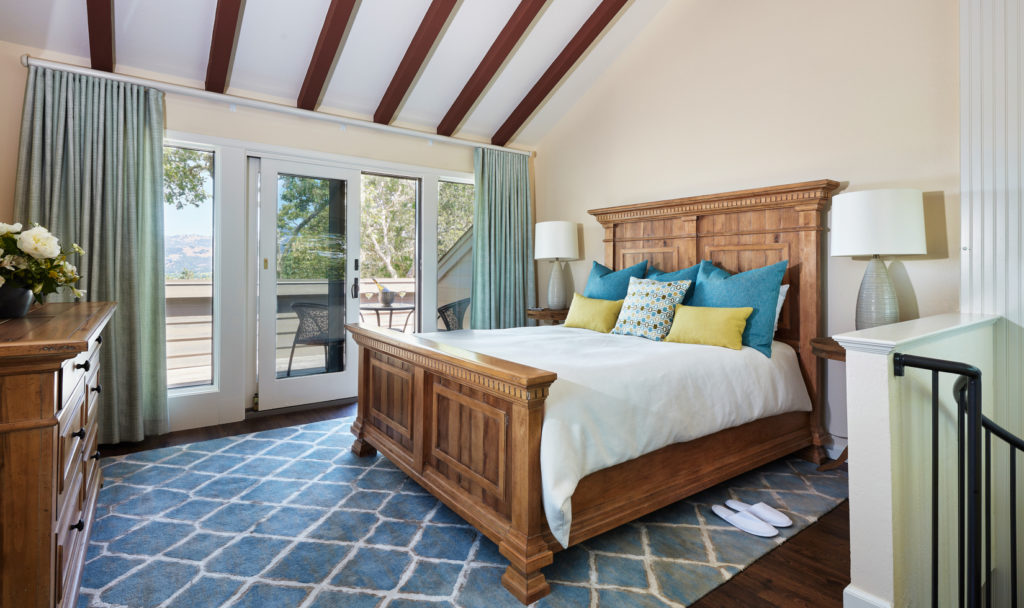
{"x":649,"y":307}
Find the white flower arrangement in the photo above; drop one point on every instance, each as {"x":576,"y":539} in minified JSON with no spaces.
{"x":33,"y":259}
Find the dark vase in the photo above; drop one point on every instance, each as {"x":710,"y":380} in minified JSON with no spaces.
{"x":14,"y":302}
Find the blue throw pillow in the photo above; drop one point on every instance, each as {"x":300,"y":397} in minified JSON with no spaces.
{"x":758,"y":288}
{"x":686,"y":274}
{"x":606,"y":284}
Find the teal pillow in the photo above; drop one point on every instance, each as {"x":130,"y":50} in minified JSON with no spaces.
{"x":758,"y":288}
{"x":686,"y":274}
{"x":606,"y":284}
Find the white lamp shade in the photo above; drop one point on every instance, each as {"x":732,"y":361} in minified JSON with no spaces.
{"x":878,"y":222}
{"x":556,"y":241}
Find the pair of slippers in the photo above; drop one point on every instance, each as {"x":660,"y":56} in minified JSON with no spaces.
{"x":759,"y":519}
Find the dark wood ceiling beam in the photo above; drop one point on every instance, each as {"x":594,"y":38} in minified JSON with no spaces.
{"x":336,"y":24}
{"x":507,"y":39}
{"x":226,"y":23}
{"x":100,"y":15}
{"x":588,"y":33}
{"x":427,"y":34}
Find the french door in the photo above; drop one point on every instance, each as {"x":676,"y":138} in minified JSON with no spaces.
{"x":307,"y":282}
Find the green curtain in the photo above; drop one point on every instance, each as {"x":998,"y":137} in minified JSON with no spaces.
{"x":503,"y":284}
{"x":90,"y":168}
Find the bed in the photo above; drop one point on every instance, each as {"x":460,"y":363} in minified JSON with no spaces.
{"x":467,"y":426}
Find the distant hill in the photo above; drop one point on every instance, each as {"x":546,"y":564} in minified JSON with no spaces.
{"x":188,"y":251}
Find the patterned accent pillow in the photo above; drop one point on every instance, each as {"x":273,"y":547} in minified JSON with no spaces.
{"x":649,"y":307}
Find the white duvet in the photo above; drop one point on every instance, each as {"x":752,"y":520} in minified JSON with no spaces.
{"x":619,"y":397}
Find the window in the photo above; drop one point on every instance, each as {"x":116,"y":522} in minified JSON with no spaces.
{"x":454,"y":253}
{"x":188,"y":265}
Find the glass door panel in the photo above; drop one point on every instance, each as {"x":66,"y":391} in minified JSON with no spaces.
{"x":388,"y":290}
{"x":455,"y":203}
{"x":308,"y":244}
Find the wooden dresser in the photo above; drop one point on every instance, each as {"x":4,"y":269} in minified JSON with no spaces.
{"x":49,"y":467}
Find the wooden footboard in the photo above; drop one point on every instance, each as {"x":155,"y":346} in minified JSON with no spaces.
{"x":467,"y":428}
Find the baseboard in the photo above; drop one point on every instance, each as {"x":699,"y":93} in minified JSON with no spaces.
{"x":854,"y":597}
{"x":250,"y":414}
{"x":837,"y":447}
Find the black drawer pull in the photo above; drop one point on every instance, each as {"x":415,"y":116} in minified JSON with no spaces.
{"x":79,"y":526}
{"x":97,"y":389}
{"x":96,"y":456}
{"x":80,"y":433}
{"x":84,"y":366}
{"x":99,"y":339}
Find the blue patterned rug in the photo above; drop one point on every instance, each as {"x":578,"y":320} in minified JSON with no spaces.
{"x":290,"y":517}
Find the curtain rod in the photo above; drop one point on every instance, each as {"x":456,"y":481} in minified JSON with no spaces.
{"x":27,"y":60}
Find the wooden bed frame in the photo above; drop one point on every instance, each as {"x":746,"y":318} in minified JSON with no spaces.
{"x":467,"y":426}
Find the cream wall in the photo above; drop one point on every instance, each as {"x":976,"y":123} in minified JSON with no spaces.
{"x":717,"y":96}
{"x":192,"y":115}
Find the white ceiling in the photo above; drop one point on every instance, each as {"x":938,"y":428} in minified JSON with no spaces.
{"x":277,"y":38}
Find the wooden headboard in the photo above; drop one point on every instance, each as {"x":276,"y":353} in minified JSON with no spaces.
{"x":739,"y":231}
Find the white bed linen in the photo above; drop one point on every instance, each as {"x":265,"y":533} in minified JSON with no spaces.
{"x":619,"y":397}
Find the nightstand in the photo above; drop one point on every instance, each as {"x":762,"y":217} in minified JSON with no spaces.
{"x":827,"y":348}
{"x":555,"y":315}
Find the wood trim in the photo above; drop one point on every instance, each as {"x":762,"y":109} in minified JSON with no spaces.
{"x":520,"y":21}
{"x":587,"y":34}
{"x":815,"y":193}
{"x":337,"y":23}
{"x":227,"y":21}
{"x":427,"y":35}
{"x":100,"y":15}
{"x":496,"y":376}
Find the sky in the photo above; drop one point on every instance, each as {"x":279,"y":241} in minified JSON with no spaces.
{"x":190,"y":220}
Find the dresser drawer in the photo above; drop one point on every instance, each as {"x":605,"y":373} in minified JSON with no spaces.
{"x":72,"y":372}
{"x":69,"y":537}
{"x":71,"y":433}
{"x":93,"y":395}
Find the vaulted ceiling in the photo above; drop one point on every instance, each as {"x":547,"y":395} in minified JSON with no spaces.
{"x":503,"y":71}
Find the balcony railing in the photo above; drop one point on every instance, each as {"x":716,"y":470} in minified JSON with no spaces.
{"x":190,"y":324}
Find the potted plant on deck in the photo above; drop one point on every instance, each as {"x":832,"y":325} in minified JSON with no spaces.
{"x":32,"y":266}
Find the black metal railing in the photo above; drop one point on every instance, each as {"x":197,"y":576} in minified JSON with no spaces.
{"x":974,"y":430}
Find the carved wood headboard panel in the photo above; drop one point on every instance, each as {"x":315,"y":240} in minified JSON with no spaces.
{"x":739,"y":231}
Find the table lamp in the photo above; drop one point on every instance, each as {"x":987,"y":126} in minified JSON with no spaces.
{"x":877,"y":223}
{"x":556,"y":241}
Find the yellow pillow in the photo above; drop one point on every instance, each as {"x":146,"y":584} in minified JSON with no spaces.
{"x":711,"y":326}
{"x":592,"y":313}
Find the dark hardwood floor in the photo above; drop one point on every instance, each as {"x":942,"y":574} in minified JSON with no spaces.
{"x":254,"y":422}
{"x":811,"y":569}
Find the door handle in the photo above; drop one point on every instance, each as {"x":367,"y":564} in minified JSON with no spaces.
{"x":355,"y":287}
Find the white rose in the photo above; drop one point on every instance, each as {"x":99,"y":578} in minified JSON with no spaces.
{"x":5,"y":228}
{"x":39,"y":243}
{"x":2,"y":281}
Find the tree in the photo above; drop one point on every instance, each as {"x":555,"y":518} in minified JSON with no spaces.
{"x":306,"y":247}
{"x":455,"y":206}
{"x":185,"y":174}
{"x":388,"y":227}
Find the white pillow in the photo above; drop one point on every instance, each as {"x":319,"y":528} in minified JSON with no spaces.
{"x":782,"y":300}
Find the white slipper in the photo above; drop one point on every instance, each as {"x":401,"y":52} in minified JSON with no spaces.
{"x":763,"y":512}
{"x":745,"y":521}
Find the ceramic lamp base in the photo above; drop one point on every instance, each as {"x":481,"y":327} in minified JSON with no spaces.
{"x":556,"y":287}
{"x":876,"y":301}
